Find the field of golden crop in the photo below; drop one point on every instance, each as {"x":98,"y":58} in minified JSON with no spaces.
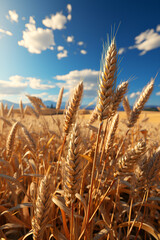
{"x":74,"y":176}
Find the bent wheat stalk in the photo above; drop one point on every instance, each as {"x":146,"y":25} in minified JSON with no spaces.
{"x":138,"y":106}
{"x":73,"y":107}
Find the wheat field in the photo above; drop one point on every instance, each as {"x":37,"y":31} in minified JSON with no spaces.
{"x":76,"y":176}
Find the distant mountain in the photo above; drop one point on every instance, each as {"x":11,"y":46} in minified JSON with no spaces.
{"x":52,"y":104}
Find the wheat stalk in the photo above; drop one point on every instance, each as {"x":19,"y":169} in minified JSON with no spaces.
{"x":42,"y":208}
{"x":73,"y":167}
{"x":139,"y":104}
{"x":93,"y":116}
{"x":118,"y":96}
{"x":10,"y":139}
{"x":21,"y":108}
{"x":106,"y":81}
{"x":126,"y":106}
{"x":127,"y":162}
{"x":59,"y":101}
{"x":73,"y":107}
{"x":10,"y":111}
{"x":111,"y":134}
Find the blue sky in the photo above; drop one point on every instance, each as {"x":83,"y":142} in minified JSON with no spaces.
{"x":47,"y":44}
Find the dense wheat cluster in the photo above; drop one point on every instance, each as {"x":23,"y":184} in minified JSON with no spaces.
{"x":67,"y":179}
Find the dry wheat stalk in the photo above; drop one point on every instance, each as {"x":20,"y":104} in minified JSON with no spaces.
{"x":127,"y":162}
{"x":10,"y":139}
{"x":73,"y":107}
{"x":93,"y":116}
{"x":106,"y":80}
{"x":42,"y":208}
{"x":138,"y":106}
{"x":36,"y":103}
{"x":21,"y":108}
{"x":59,"y":101}
{"x":126,"y":106}
{"x":10,"y":111}
{"x":32,"y":111}
{"x":73,"y":167}
{"x":118,"y":96}
{"x":28,"y":137}
{"x":6,"y":121}
{"x":2,"y":109}
{"x":111,"y":133}
{"x":150,"y":169}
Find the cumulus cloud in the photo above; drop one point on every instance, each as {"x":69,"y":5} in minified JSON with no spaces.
{"x":80,"y":43}
{"x":18,"y":84}
{"x":121,"y":51}
{"x":56,"y":21}
{"x":62,"y":54}
{"x":5,"y":32}
{"x":69,"y":8}
{"x":35,"y":83}
{"x":148,"y":40}
{"x":15,"y":85}
{"x":70,"y":39}
{"x":158,"y":93}
{"x":60,"y":48}
{"x":134,"y":94}
{"x":88,"y":76}
{"x":35,"y":39}
{"x":83,"y":52}
{"x":12,"y":16}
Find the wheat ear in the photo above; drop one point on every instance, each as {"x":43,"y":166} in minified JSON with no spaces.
{"x":10,"y":111}
{"x":21,"y":108}
{"x":126,"y":106}
{"x":73,"y":107}
{"x":28,"y":137}
{"x":32,"y":111}
{"x":118,"y":96}
{"x":59,"y":101}
{"x":93,"y":116}
{"x":111,"y":133}
{"x":138,"y":106}
{"x":73,"y":167}
{"x":10,"y":139}
{"x":42,"y":208}
{"x":106,"y":81}
{"x":127,"y":162}
{"x":2,"y":109}
{"x":150,"y":169}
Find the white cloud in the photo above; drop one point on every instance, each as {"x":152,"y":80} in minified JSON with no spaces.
{"x":158,"y":28}
{"x":80,"y":43}
{"x":12,"y":16}
{"x":35,"y":39}
{"x":23,"y":18}
{"x":88,"y":76}
{"x":134,"y":94}
{"x":158,"y":93}
{"x":56,"y":21}
{"x":35,"y":83}
{"x":70,"y":39}
{"x":15,"y":85}
{"x":62,"y":54}
{"x":69,"y":17}
{"x":69,"y":8}
{"x":5,"y":32}
{"x":60,"y":48}
{"x":121,"y":51}
{"x":83,"y":52}
{"x":148,"y":40}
